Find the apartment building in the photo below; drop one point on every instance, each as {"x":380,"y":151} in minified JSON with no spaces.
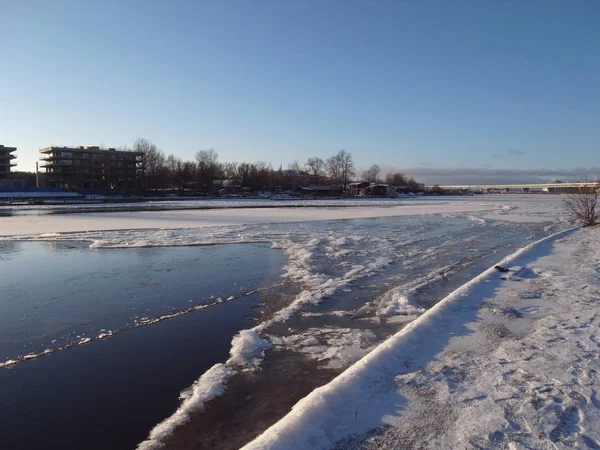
{"x":93,"y":168}
{"x":6,"y":160}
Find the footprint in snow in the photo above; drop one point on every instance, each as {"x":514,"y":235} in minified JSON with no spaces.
{"x":568,"y":425}
{"x":590,"y":442}
{"x":536,"y":311}
{"x":594,"y":399}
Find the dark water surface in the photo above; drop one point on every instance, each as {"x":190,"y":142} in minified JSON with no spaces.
{"x":56,"y":293}
{"x":109,"y":393}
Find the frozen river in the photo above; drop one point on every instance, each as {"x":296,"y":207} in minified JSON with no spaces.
{"x":248,"y":309}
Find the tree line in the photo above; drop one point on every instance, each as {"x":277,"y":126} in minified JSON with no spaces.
{"x":205,"y":173}
{"x":373,"y":175}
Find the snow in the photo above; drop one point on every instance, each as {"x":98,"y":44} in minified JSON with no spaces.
{"x":395,"y":303}
{"x":335,"y":347}
{"x":526,"y":208}
{"x":506,"y":361}
{"x":41,"y":195}
{"x":361,"y":254}
{"x":60,"y":223}
{"x":210,"y":385}
{"x":247,"y":348}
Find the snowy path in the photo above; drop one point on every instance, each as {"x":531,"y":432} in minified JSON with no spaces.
{"x":506,"y":361}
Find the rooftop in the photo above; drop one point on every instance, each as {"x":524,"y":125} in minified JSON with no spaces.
{"x":81,"y":148}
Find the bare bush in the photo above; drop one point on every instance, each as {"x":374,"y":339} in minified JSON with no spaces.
{"x":582,"y":206}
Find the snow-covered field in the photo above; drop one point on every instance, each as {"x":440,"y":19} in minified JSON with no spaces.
{"x":472,"y":356}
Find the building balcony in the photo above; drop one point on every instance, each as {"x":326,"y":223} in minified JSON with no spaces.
{"x":63,"y":169}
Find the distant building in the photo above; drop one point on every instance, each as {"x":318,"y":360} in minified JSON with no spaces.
{"x":377,"y":190}
{"x":6,"y":158}
{"x":227,"y":187}
{"x":320,"y":191}
{"x":356,"y":187}
{"x":93,"y":168}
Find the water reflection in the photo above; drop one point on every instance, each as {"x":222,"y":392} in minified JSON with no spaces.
{"x":9,"y":248}
{"x":54,"y":293}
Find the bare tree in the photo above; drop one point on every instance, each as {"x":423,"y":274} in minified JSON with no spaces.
{"x":173,"y":165}
{"x":257,"y":175}
{"x":208,"y":168}
{"x":243,"y":171}
{"x":315,"y":167}
{"x":333,"y":169}
{"x":154,"y":161}
{"x":341,"y":167}
{"x":294,"y":167}
{"x":188,"y":175}
{"x":262,"y":174}
{"x":293,"y":177}
{"x":230,"y":170}
{"x":372,"y":174}
{"x":436,"y":189}
{"x":347,"y":165}
{"x":395,"y":179}
{"x":412,"y":184}
{"x":582,"y":206}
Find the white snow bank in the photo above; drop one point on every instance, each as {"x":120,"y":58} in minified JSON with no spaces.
{"x":365,"y":396}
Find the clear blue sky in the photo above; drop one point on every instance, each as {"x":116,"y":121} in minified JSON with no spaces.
{"x":483,"y":84}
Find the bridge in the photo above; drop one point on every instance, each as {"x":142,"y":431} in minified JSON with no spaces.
{"x":546,"y":187}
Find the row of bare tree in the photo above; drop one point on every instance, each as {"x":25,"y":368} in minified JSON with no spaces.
{"x":373,"y":175}
{"x":170,"y":172}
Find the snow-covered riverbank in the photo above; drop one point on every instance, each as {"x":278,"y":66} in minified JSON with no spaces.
{"x":510,"y":360}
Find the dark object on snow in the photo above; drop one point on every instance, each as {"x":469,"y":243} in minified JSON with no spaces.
{"x":501,"y":269}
